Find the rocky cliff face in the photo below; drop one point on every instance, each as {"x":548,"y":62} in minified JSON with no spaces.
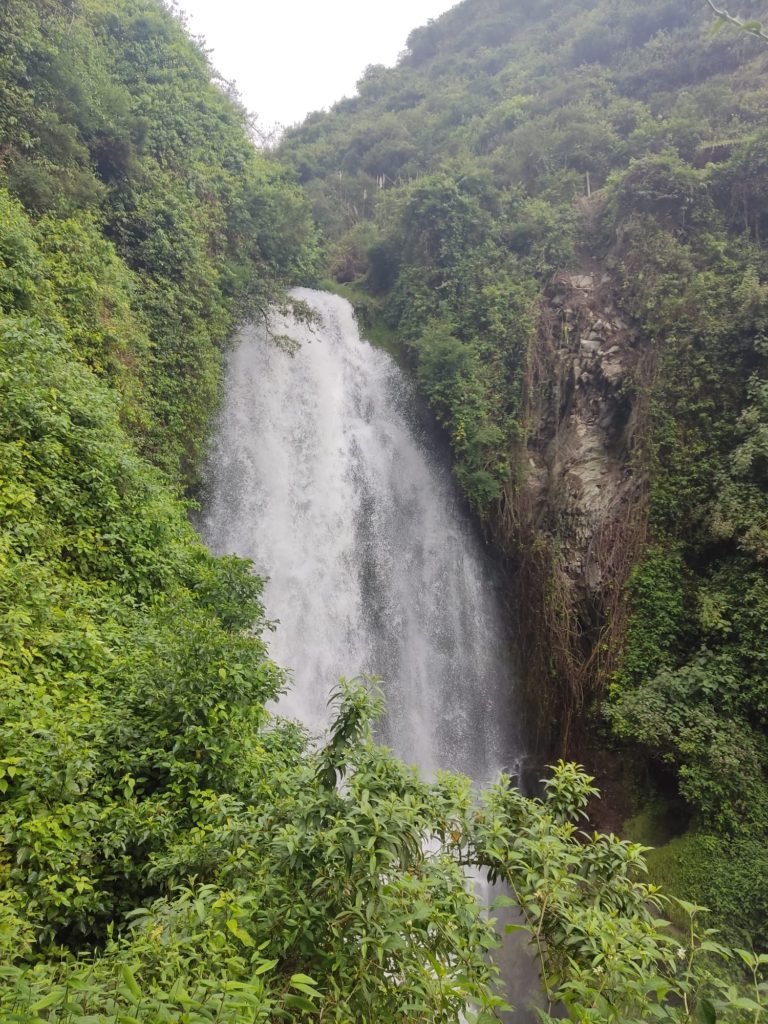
{"x":575,"y":514}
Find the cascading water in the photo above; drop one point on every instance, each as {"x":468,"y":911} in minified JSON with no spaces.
{"x":322,"y":473}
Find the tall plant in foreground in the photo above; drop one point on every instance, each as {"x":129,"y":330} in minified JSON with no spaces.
{"x":340,"y":896}
{"x":604,"y":951}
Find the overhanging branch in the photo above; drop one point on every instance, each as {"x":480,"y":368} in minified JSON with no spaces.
{"x":755,"y":28}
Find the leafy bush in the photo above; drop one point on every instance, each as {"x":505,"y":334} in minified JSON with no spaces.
{"x":728,"y":873}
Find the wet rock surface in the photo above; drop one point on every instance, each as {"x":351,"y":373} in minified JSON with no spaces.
{"x":584,"y":418}
{"x":577,"y":507}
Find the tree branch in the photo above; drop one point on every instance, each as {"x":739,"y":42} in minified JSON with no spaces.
{"x":755,"y":28}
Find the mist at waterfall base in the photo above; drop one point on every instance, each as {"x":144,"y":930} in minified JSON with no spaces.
{"x":326,"y":472}
{"x":323,"y":472}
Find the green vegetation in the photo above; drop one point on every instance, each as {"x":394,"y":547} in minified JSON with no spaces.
{"x":156,"y":222}
{"x":515,"y":139}
{"x":169,"y":850}
{"x":692,"y":688}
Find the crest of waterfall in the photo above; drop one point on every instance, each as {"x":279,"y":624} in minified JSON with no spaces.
{"x":323,"y":472}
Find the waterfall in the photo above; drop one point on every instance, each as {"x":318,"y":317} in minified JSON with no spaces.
{"x":326,"y":474}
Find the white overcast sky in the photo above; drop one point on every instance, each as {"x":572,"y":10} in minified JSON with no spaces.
{"x":289,"y":57}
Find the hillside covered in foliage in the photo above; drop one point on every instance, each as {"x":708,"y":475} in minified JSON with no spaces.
{"x":154,"y":224}
{"x":560,"y":211}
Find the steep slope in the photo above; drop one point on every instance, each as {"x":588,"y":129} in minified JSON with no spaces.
{"x":559,"y":209}
{"x":137,"y":224}
{"x":160,"y":223}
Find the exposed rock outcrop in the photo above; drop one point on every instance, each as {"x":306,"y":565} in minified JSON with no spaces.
{"x":575,"y":514}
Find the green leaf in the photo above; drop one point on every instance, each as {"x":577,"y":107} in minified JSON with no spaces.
{"x":313,"y":993}
{"x":239,"y":933}
{"x":48,"y":1000}
{"x":302,"y":979}
{"x":267,"y":965}
{"x":744,"y":1003}
{"x":705,"y":1012}
{"x":300,"y":1003}
{"x":130,"y":981}
{"x":749,"y":958}
{"x":713,"y":947}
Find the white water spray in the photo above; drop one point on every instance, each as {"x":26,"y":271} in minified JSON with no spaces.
{"x":323,"y":475}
